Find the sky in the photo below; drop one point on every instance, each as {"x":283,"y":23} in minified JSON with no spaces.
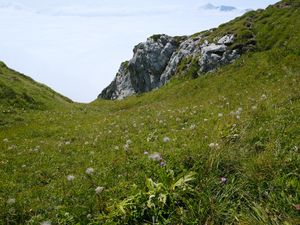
{"x":76,"y":46}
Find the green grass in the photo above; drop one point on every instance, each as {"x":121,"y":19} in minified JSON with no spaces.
{"x":20,"y":93}
{"x":250,"y":108}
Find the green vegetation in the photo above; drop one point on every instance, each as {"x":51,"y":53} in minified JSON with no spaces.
{"x":20,"y":93}
{"x":264,"y":29}
{"x":219,"y":149}
{"x":155,"y":37}
{"x":188,"y":67}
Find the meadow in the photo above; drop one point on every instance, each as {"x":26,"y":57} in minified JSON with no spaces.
{"x":222,"y":148}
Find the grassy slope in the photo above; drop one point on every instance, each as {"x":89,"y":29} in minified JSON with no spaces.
{"x":19,"y":93}
{"x":257,"y":152}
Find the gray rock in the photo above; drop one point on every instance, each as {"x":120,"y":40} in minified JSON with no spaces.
{"x":213,"y":48}
{"x":155,"y":61}
{"x":227,"y":39}
{"x":189,"y":47}
{"x":142,"y":73}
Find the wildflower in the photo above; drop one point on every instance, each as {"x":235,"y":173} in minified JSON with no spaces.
{"x":117,"y":148}
{"x":214,"y":145}
{"x":205,"y":120}
{"x":5,"y":140}
{"x":89,"y":216}
{"x":297,"y":207}
{"x":193,"y":126}
{"x":46,"y":223}
{"x":99,"y":190}
{"x":220,"y":115}
{"x":166,"y":139}
{"x":12,"y":147}
{"x":236,"y":136}
{"x":67,"y":142}
{"x":70,"y":177}
{"x":126,"y":147}
{"x":211,"y":145}
{"x":223,"y":180}
{"x":254,"y":107}
{"x":89,"y":171}
{"x":238,"y":117}
{"x":163,"y":164}
{"x":263,"y":97}
{"x":155,"y":156}
{"x":11,"y":201}
{"x":146,"y":153}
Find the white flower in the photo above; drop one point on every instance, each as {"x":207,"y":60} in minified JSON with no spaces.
{"x":11,"y":201}
{"x":67,"y":142}
{"x":238,"y":117}
{"x":46,"y":223}
{"x":211,"y":145}
{"x":126,"y":147}
{"x":89,"y":171}
{"x":263,"y":97}
{"x":117,"y":148}
{"x":223,"y":180}
{"x":128,"y":142}
{"x":155,"y":156}
{"x":70,"y":177}
{"x":5,"y":140}
{"x":205,"y":120}
{"x":254,"y":107}
{"x":220,"y":115}
{"x":193,"y":126}
{"x":166,"y":139}
{"x":146,"y":153}
{"x":99,"y":190}
{"x":214,"y":145}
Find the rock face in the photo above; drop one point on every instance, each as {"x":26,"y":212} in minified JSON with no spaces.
{"x":155,"y":61}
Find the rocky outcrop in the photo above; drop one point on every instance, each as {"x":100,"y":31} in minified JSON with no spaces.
{"x":155,"y":61}
{"x":143,"y":72}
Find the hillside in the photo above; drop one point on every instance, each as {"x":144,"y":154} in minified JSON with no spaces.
{"x":19,"y":92}
{"x":162,"y":57}
{"x":221,"y":148}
